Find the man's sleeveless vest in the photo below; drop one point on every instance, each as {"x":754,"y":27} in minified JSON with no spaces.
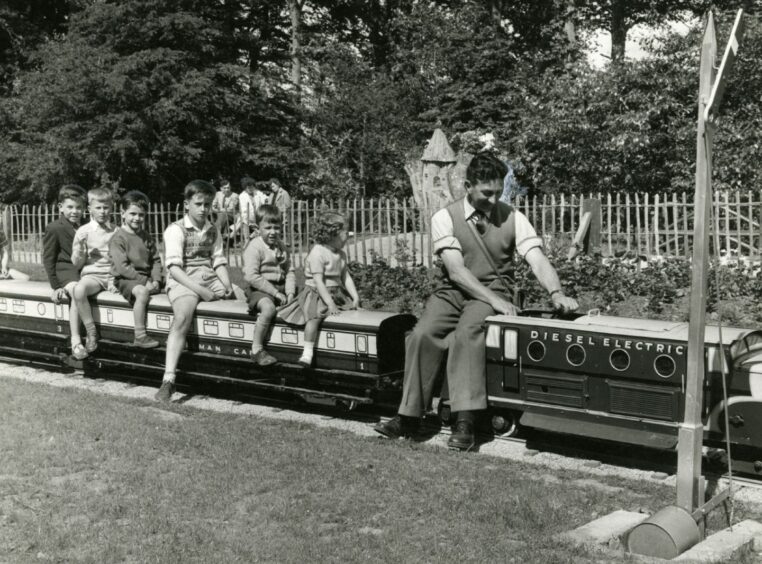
{"x":197,"y":248}
{"x":499,"y":238}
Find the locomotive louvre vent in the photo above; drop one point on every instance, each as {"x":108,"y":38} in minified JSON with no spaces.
{"x":619,"y":359}
{"x":664,"y":365}
{"x":576,"y":354}
{"x":536,"y":350}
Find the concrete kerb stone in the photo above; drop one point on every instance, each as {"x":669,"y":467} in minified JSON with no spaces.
{"x":605,"y":532}
{"x":724,"y":546}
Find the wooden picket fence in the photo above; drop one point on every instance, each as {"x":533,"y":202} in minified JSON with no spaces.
{"x":396,"y":230}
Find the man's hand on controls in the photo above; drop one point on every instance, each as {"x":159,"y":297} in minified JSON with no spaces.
{"x":503,"y":306}
{"x":563,"y":303}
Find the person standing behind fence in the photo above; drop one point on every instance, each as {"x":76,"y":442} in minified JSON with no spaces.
{"x":136,"y":263}
{"x":225,"y":204}
{"x":90,"y":253}
{"x":249,"y":200}
{"x":281,"y":199}
{"x":56,"y":257}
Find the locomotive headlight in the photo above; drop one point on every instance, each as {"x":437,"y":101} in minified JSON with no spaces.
{"x":493,"y":337}
{"x":511,"y":344}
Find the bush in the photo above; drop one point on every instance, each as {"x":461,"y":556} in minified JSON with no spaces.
{"x":625,"y":286}
{"x":393,"y":288}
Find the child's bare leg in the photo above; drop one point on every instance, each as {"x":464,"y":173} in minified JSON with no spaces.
{"x":266,"y":309}
{"x":139,"y":311}
{"x":76,"y":337}
{"x":18,"y":275}
{"x":311,"y":329}
{"x":259,"y":355}
{"x":183,"y":307}
{"x":85,"y":288}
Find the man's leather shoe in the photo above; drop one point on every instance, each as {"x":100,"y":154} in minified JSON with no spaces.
{"x":462,"y":437}
{"x":398,"y":426}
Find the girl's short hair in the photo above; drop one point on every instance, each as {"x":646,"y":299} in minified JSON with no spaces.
{"x":198,"y":187}
{"x":327,"y":226}
{"x":72,"y":192}
{"x":268,"y":213}
{"x":100,"y":195}
{"x":135,"y":198}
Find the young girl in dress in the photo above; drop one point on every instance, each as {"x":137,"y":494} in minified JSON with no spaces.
{"x":328,"y":286}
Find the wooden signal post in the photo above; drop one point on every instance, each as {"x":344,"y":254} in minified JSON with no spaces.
{"x":674,"y":529}
{"x":690,"y":491}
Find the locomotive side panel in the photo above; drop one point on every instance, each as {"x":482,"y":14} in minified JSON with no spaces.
{"x":580,"y":379}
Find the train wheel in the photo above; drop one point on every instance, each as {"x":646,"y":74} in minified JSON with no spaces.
{"x":445,"y":413}
{"x":506,"y":423}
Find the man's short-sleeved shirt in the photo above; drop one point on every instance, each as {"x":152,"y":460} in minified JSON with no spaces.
{"x":249,"y":203}
{"x":227,"y":204}
{"x":442,"y":233}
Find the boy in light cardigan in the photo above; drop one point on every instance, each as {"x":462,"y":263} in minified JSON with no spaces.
{"x":268,"y":270}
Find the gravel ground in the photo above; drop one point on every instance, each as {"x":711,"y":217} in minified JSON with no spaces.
{"x":500,"y":449}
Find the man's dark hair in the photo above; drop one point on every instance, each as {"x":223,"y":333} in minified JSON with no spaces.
{"x":247,"y":181}
{"x":135,"y":198}
{"x":224,"y":181}
{"x":485,"y":167}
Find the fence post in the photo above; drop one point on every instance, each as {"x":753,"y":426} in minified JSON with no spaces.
{"x":8,"y":229}
{"x":588,"y":236}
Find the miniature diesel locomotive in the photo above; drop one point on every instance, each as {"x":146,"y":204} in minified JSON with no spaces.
{"x":599,"y":377}
{"x":623,"y":380}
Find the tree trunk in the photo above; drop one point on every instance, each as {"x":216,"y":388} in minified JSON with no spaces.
{"x":295,"y":10}
{"x":496,"y":12}
{"x":570,"y":26}
{"x":618,"y":31}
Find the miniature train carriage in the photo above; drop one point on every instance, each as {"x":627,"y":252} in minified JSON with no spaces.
{"x":359,"y":357}
{"x":622,"y":380}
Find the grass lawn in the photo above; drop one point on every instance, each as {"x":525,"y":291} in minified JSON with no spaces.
{"x":91,"y":478}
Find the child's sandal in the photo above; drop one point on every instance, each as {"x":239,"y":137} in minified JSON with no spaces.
{"x":78,"y":352}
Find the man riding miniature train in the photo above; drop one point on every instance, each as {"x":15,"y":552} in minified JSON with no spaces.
{"x":475,"y":237}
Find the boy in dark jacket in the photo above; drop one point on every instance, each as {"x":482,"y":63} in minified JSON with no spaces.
{"x":56,"y":258}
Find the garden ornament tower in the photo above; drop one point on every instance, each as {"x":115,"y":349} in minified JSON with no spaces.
{"x":676,"y":528}
{"x":430,"y":176}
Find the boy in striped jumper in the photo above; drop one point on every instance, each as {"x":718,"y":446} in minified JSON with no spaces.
{"x":197,"y":270}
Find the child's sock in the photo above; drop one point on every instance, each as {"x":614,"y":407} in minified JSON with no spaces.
{"x":91,"y":331}
{"x":309,"y":348}
{"x":140,"y":332}
{"x":169,"y":377}
{"x":255,"y":348}
{"x":76,"y":340}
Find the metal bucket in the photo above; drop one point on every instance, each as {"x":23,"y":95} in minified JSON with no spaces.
{"x":666,"y":534}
